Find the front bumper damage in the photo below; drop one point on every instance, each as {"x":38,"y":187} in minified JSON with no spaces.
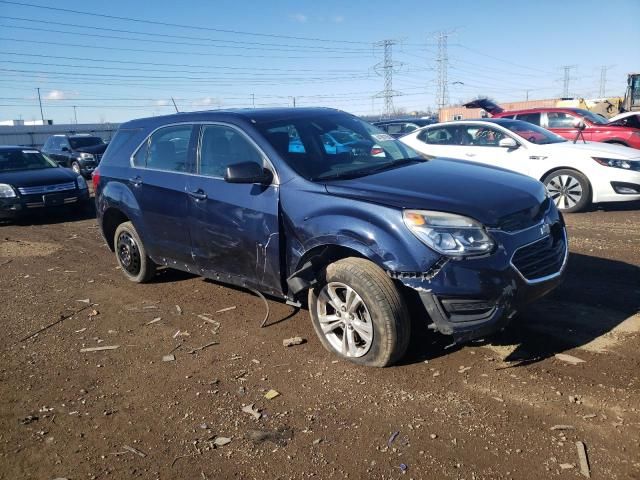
{"x":471,"y":299}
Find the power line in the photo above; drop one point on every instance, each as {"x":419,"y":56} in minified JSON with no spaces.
{"x":167,"y":24}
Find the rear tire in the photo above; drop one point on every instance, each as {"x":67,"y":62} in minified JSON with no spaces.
{"x":569,"y":189}
{"x":359,"y":313}
{"x":131,"y":255}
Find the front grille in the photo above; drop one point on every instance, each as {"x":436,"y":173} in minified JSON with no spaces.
{"x":524,"y":218}
{"x":43,"y":189}
{"x":542,"y":258}
{"x":97,"y":157}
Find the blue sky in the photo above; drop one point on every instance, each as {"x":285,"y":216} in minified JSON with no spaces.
{"x":237,"y":54}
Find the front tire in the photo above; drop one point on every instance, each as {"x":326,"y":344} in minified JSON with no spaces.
{"x":131,"y":255}
{"x":359,"y":313}
{"x":569,"y":189}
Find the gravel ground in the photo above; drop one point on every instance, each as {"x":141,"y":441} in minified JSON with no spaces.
{"x":506,"y":408}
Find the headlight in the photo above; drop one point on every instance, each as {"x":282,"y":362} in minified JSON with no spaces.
{"x":448,"y":233}
{"x":85,"y":156}
{"x":618,"y":163}
{"x":82,"y":184}
{"x":7,"y":191}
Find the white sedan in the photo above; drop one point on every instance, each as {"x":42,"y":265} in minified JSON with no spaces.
{"x":575,"y":174}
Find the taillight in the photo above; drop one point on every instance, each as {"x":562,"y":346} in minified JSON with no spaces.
{"x":376,"y":150}
{"x":95,"y":179}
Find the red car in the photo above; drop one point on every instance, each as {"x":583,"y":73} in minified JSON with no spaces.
{"x":564,"y":121}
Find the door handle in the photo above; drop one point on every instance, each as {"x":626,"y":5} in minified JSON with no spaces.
{"x":136,"y":181}
{"x":198,"y":195}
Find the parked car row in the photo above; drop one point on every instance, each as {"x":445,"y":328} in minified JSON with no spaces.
{"x":81,"y":153}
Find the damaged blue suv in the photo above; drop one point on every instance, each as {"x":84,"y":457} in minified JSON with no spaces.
{"x":257,"y":199}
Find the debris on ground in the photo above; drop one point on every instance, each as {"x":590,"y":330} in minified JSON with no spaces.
{"x":463,"y":369}
{"x":568,"y":358}
{"x":392,"y":438}
{"x":279,"y":436}
{"x":197,"y":349}
{"x":221,"y":441}
{"x":584,"y":461}
{"x":567,"y":466}
{"x":252,"y":411}
{"x":271,"y":394}
{"x":317,"y":441}
{"x":168,"y":358}
{"x":155,"y":320}
{"x":290,"y":342}
{"x":29,"y":419}
{"x":93,"y":313}
{"x":403,"y":467}
{"x":433,"y":436}
{"x":222,"y":310}
{"x":134,"y":450}
{"x":99,"y":349}
{"x":179,"y":309}
{"x":84,"y":300}
{"x":563,"y":427}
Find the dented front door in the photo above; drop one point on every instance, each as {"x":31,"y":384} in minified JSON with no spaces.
{"x":234,"y":227}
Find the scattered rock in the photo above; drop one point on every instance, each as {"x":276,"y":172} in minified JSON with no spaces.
{"x":433,"y":436}
{"x":567,"y":466}
{"x":179,"y":309}
{"x":568,"y":358}
{"x":562,"y":427}
{"x":279,"y":437}
{"x":221,"y":441}
{"x":29,"y":419}
{"x":155,"y":320}
{"x":317,"y":441}
{"x":169,"y":358}
{"x":271,"y":394}
{"x":84,"y":300}
{"x":290,"y":342}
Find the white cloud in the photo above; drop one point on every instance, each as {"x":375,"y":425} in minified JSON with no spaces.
{"x":338,"y":19}
{"x":55,"y":95}
{"x":299,"y":17}
{"x":207,"y":102}
{"x":161,"y":103}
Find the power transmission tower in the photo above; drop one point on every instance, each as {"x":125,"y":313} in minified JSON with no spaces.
{"x":567,"y":79}
{"x":386,"y":69}
{"x":443,"y":70}
{"x":603,"y":80}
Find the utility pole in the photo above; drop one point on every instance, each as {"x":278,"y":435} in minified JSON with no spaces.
{"x":40,"y":102}
{"x":294,"y":101}
{"x":386,"y":69}
{"x":75,"y":114}
{"x":567,"y":79}
{"x":443,"y":71}
{"x":603,"y":80}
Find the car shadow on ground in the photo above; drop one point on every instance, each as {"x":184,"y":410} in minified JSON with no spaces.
{"x":615,"y":206}
{"x":596,"y":296}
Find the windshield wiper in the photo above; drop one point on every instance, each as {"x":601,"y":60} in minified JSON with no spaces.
{"x":369,"y":171}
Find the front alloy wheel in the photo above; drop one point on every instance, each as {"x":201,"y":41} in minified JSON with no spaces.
{"x":569,"y":190}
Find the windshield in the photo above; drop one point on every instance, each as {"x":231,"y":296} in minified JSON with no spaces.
{"x":81,"y":142}
{"x":532,"y":133}
{"x":14,"y":160}
{"x":592,"y":117}
{"x":359,"y":148}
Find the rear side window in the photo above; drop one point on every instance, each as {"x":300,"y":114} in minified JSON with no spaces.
{"x":394,"y":128}
{"x":529,"y":117}
{"x":437,"y":136}
{"x":167,"y":149}
{"x":120,"y":139}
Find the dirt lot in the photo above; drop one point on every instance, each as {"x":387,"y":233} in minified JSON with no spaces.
{"x":472,"y":412}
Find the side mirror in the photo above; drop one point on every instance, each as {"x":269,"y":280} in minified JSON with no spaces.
{"x":579,"y":124}
{"x":247,"y":172}
{"x":65,"y":149}
{"x":508,"y":142}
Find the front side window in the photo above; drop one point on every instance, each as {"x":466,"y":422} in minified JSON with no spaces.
{"x":358,"y":149}
{"x":82,"y":142}
{"x":168,"y":149}
{"x":437,"y":136}
{"x":221,"y":146}
{"x":560,"y":120}
{"x":394,"y":128}
{"x":482,"y":136}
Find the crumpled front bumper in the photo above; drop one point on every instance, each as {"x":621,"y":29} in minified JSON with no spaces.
{"x":473,"y":298}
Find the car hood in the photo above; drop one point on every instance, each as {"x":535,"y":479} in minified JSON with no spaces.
{"x":44,"y":176}
{"x":485,"y":104}
{"x":486,"y":194}
{"x":97,"y":149}
{"x":595,"y":149}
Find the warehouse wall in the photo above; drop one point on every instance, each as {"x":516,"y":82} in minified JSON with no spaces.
{"x":36,"y":135}
{"x":462,"y":113}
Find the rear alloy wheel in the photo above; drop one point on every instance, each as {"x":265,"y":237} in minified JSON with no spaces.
{"x":569,"y":190}
{"x":75,"y":166}
{"x":359,"y":313}
{"x":131,"y":254}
